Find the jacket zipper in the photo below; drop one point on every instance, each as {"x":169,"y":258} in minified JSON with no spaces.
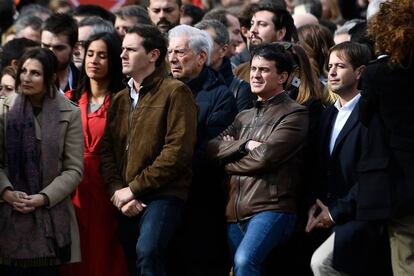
{"x":237,"y":199}
{"x":236,"y":206}
{"x":128,"y":142}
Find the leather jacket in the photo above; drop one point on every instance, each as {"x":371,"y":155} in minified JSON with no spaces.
{"x":267,"y":177}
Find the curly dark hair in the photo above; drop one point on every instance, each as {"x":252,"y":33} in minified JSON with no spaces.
{"x":392,"y":30}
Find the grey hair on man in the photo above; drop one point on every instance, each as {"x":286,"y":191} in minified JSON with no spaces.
{"x":135,"y":11}
{"x":32,"y":21}
{"x":198,"y":40}
{"x":98,"y":25}
{"x":222,"y":35}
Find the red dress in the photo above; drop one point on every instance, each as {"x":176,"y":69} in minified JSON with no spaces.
{"x":101,"y":250}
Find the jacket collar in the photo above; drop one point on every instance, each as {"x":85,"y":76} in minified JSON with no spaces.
{"x":150,"y":81}
{"x":225,"y":69}
{"x":273,"y":100}
{"x":207,"y":79}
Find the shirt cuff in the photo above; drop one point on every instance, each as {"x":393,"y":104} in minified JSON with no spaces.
{"x":330,"y":216}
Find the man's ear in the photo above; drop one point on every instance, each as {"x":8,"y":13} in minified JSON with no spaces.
{"x":283,"y":77}
{"x":202,"y":58}
{"x":280,"y":34}
{"x":154,"y":55}
{"x":245,"y":32}
{"x":359,"y":71}
{"x":223,"y":50}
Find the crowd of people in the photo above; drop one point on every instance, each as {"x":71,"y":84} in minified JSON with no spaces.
{"x":200,"y":137}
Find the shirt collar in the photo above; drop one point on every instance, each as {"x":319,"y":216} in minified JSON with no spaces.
{"x":349,"y":105}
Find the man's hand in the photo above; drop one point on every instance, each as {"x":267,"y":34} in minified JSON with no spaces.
{"x":122,"y":197}
{"x":251,"y":145}
{"x":323,"y":220}
{"x":133,"y":208}
{"x":228,"y":138}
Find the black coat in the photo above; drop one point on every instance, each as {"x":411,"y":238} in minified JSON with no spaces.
{"x":360,"y":247}
{"x":244,"y":97}
{"x":216,"y":110}
{"x":387,"y":167}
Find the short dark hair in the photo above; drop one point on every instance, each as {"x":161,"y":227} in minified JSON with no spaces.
{"x":49,"y":65}
{"x":274,"y":52}
{"x":281,"y":18}
{"x":93,"y":10}
{"x":357,"y":54}
{"x":62,"y":24}
{"x":28,"y":21}
{"x":152,"y":39}
{"x":113,"y":45}
{"x":14,"y":49}
{"x":194,"y":12}
{"x":179,"y":3}
{"x":135,"y":11}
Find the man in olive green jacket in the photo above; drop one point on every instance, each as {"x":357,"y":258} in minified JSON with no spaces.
{"x":147,"y":150}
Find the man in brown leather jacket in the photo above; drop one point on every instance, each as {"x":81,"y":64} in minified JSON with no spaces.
{"x":147,"y":150}
{"x":261,"y":152}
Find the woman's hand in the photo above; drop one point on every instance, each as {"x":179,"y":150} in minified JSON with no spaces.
{"x":17,"y":199}
{"x":22,"y":202}
{"x":35,"y":201}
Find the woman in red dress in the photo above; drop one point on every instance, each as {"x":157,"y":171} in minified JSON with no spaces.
{"x":101,"y":77}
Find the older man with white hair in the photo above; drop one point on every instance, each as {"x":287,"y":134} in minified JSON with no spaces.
{"x":204,"y":245}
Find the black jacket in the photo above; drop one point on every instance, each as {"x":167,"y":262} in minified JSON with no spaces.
{"x":216,"y":110}
{"x":240,"y":89}
{"x":387,"y":104}
{"x":360,"y":247}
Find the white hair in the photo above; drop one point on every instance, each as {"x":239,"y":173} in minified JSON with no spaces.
{"x":199,"y":41}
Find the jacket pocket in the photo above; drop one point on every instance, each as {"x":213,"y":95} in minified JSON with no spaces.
{"x":373,"y":164}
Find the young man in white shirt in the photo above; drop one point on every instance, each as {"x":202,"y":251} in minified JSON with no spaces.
{"x":354,"y":247}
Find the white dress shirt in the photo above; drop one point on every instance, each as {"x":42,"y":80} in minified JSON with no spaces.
{"x":343,"y":114}
{"x":133,"y":93}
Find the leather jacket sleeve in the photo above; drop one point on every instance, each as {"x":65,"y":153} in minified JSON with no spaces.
{"x":227,"y":151}
{"x":286,"y":139}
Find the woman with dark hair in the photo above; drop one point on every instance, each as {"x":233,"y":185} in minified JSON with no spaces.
{"x":41,"y":164}
{"x":101,"y":78}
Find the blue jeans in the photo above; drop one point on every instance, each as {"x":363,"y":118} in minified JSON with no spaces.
{"x":252,"y":240}
{"x":147,"y":236}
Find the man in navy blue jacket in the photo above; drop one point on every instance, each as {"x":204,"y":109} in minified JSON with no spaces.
{"x":205,"y":246}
